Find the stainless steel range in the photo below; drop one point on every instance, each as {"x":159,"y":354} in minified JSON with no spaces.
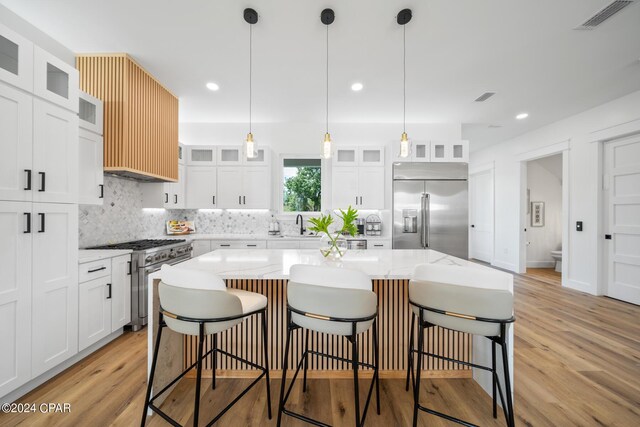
{"x":147,"y":257}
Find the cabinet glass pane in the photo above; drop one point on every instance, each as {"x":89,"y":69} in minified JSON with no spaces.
{"x":371,"y":156}
{"x":258,"y":158}
{"x":57,"y":81}
{"x":87,"y":111}
{"x":8,"y":55}
{"x":439,"y":152}
{"x":346,"y":156}
{"x":232,"y":155}
{"x":421,"y":151}
{"x":201,"y":155}
{"x":457,"y":151}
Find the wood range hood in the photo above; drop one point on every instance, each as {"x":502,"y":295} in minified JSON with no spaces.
{"x":140,"y":117}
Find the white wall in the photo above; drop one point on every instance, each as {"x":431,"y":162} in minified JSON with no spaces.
{"x":622,"y":114}
{"x":544,"y":180}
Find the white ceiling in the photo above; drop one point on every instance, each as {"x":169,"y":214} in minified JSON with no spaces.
{"x":524,"y":50}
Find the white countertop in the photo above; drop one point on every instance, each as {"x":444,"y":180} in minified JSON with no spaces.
{"x":276,"y":263}
{"x":202,"y":236}
{"x":89,"y":255}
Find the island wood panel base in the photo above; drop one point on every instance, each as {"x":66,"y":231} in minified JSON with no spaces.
{"x":394,"y":322}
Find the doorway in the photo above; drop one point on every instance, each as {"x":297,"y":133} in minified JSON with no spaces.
{"x":621,"y":206}
{"x":544,"y":218}
{"x":481,"y":216}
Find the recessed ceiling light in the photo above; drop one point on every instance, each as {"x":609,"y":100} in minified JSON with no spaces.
{"x":212,"y":86}
{"x":357,"y":87}
{"x":522,"y":116}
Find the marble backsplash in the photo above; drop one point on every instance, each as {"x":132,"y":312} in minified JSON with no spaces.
{"x":121,"y":218}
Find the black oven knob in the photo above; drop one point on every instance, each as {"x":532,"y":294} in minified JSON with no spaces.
{"x":172,"y":255}
{"x":148,"y":259}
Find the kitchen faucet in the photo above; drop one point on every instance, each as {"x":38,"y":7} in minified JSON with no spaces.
{"x":302,"y":229}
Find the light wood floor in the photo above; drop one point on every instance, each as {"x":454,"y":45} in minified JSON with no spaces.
{"x":577,"y":362}
{"x":546,"y":275}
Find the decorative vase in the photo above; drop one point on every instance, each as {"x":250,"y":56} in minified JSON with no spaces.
{"x":334,"y":246}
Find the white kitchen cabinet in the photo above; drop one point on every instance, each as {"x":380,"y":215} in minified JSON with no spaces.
{"x":90,"y":168}
{"x":449,"y":151}
{"x":120,"y":292}
{"x":54,"y":329}
{"x":262,"y":158}
{"x":283,"y":244}
{"x":201,"y":187}
{"x":200,"y":247}
{"x":178,"y":189}
{"x":15,"y":295}
{"x":55,"y":80}
{"x":238,"y":244}
{"x":421,"y":151}
{"x":345,"y":156}
{"x":55,"y":153}
{"x":310,"y":243}
{"x":378,"y":244}
{"x":94,"y":306}
{"x":182,"y":151}
{"x":244,"y":187}
{"x":16,"y":59}
{"x":16,"y":131}
{"x":233,"y":155}
{"x":371,"y":156}
{"x":90,"y":113}
{"x":168,"y":195}
{"x":200,"y":155}
{"x":361,"y":188}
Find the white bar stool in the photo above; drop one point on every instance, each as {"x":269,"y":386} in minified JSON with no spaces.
{"x":332,"y":301}
{"x":199,"y":303}
{"x":478,"y":302}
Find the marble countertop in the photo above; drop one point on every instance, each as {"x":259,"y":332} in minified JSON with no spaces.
{"x":198,"y":236}
{"x":276,"y":263}
{"x":89,"y":255}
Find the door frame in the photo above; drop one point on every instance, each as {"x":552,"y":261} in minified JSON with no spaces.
{"x":483,"y":168}
{"x":562,"y":148}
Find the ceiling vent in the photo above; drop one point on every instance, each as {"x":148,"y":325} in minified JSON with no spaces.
{"x":603,"y":14}
{"x":485,"y":96}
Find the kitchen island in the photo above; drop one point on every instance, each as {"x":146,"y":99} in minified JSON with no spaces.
{"x":266,"y":271}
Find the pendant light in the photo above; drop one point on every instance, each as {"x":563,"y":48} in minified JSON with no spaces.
{"x":251,"y":16}
{"x":405,"y":145}
{"x":327,"y":17}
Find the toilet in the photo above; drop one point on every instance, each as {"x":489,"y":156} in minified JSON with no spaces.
{"x":557,"y":256}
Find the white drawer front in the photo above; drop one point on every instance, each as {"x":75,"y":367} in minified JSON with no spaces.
{"x":238,"y":244}
{"x":93,"y":270}
{"x":379,"y":244}
{"x":310,"y":244}
{"x":283,"y":244}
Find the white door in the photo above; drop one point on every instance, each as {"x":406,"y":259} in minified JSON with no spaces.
{"x":229,"y":155}
{"x":55,"y":154}
{"x":15,"y":295}
{"x":55,"y":80}
{"x":16,"y":175}
{"x":622,"y":218}
{"x":90,"y":172}
{"x":481,"y":216}
{"x":54,"y":285}
{"x":201,"y":187}
{"x":94,"y":307}
{"x":180,"y":188}
{"x":371,"y":188}
{"x":344,"y":188}
{"x":256,"y":183}
{"x":16,"y":59}
{"x":120,"y":292}
{"x":230,"y":187}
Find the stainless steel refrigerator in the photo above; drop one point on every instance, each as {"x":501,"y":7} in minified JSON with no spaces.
{"x":430,"y":207}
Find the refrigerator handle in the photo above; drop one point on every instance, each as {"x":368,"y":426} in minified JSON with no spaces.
{"x":426,"y":220}
{"x":423,"y":219}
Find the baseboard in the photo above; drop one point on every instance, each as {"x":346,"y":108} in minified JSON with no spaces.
{"x":541,"y":264}
{"x":505,"y":265}
{"x":579,"y":286}
{"x":43,"y":378}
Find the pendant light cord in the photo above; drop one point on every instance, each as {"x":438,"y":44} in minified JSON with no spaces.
{"x":327,"y":78}
{"x":250,"y":69}
{"x":404,"y":78}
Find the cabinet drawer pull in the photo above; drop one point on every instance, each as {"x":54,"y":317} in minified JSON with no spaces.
{"x":109,"y":286}
{"x":42,"y":222}
{"x":175,"y":199}
{"x":239,"y":200}
{"x":129,"y":264}
{"x":97,"y":269}
{"x":166,"y":197}
{"x":378,"y":246}
{"x":244,"y":200}
{"x":252,"y":246}
{"x":28,"y":186}
{"x":225,"y":246}
{"x":214,"y":200}
{"x":28,"y":215}
{"x":43,"y":181}
{"x":101,"y":196}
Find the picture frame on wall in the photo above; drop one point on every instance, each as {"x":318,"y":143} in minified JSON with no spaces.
{"x":537,"y":214}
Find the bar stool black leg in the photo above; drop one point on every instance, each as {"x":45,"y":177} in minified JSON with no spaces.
{"x":376,"y":354}
{"x":507,"y":383}
{"x":416,"y":387}
{"x":306,"y":359}
{"x":285,"y":364}
{"x":495,"y":378}
{"x":354,"y":359}
{"x":410,"y":354}
{"x":154,"y":362}
{"x":265,"y":346}
{"x":214,"y":360}
{"x":196,"y":409}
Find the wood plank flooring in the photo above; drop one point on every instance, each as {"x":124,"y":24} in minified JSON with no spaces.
{"x":577,"y":363}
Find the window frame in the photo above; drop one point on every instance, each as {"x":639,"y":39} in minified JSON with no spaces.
{"x":324,"y":185}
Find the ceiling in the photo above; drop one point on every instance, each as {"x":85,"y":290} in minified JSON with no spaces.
{"x":525,"y":51}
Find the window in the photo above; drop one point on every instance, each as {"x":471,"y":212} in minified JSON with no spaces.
{"x":302,"y":184}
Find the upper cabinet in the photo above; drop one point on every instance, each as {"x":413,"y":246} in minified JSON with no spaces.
{"x":90,"y":113}
{"x":141,"y":122}
{"x":201,"y":155}
{"x":55,"y":80}
{"x":181,"y":154}
{"x":16,"y":59}
{"x":91,"y":177}
{"x":244,"y":188}
{"x":420,"y":151}
{"x":450,"y":151}
{"x":230,"y":155}
{"x":359,"y":156}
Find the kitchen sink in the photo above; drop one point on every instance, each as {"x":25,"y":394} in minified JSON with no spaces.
{"x":300,"y":236}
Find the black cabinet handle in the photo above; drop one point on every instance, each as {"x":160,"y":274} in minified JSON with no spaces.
{"x":214,"y":200}
{"x":239,"y":200}
{"x":43,"y":181}
{"x":166,"y":197}
{"x":109,"y":286}
{"x":356,"y":200}
{"x":175,"y":199}
{"x":97,"y":269}
{"x":244,"y":200}
{"x":225,"y":246}
{"x":251,"y":246}
{"x":378,"y":246}
{"x":129,"y":264}
{"x":28,"y":186}
{"x":28,"y":215}
{"x":42,"y":222}
{"x":101,"y":191}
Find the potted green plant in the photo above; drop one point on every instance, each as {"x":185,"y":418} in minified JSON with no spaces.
{"x":334,"y":244}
